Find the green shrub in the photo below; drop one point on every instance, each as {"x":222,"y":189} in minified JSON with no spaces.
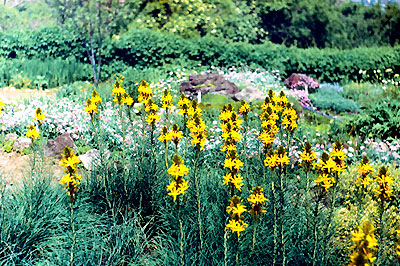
{"x":326,"y":98}
{"x":381,"y":120}
{"x":150,"y":49}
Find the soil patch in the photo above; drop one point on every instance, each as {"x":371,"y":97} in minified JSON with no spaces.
{"x":14,"y":167}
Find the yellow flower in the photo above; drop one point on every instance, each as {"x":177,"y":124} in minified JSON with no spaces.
{"x":257,"y":200}
{"x":39,"y":116}
{"x":233,"y":163}
{"x":326,"y":179}
{"x":236,"y":226}
{"x":96,"y":98}
{"x":271,"y":160}
{"x":244,"y":108}
{"x":1,"y":106}
{"x":282,"y":160}
{"x":364,"y":246}
{"x":32,"y":132}
{"x":236,"y":208}
{"x":152,"y":118}
{"x":166,"y":99}
{"x":91,"y":107}
{"x":384,"y":181}
{"x":145,"y":92}
{"x":71,"y":177}
{"x":127,"y":99}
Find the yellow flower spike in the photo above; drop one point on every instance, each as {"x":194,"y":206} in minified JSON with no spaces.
{"x":257,"y":200}
{"x":1,"y":106}
{"x":244,"y":108}
{"x":364,"y":245}
{"x":95,"y":99}
{"x":39,"y":116}
{"x":32,"y":133}
{"x":177,"y":185}
{"x":91,"y":107}
{"x":71,"y":178}
{"x":166,"y":99}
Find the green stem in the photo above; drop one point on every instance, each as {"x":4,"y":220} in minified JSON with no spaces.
{"x":73,"y":234}
{"x":254,"y":237}
{"x":198,"y":205}
{"x":315,"y":232}
{"x":180,"y":232}
{"x":275,"y":252}
{"x":237,"y":251}
{"x":282,"y":218}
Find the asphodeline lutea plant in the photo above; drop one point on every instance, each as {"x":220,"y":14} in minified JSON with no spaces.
{"x":32,"y":132}
{"x":151,"y":110}
{"x":325,"y":174}
{"x":244,"y":108}
{"x":269,"y":117}
{"x":120,"y":95}
{"x":364,"y":170}
{"x":166,"y":100}
{"x":308,"y":157}
{"x":257,"y":201}
{"x":383,"y":190}
{"x":39,"y":117}
{"x":71,"y":178}
{"x":197,"y":127}
{"x":145,"y":92}
{"x":177,"y":184}
{"x":236,"y":210}
{"x":92,"y":103}
{"x":184,"y":105}
{"x":231,"y":124}
{"x":364,"y":245}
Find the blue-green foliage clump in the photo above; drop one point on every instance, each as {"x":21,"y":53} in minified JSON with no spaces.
{"x":330,"y":99}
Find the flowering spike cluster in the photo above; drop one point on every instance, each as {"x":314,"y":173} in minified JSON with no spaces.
{"x":32,"y":133}
{"x":384,"y":189}
{"x":244,"y":108}
{"x":177,"y":184}
{"x":151,"y":109}
{"x":364,"y":170}
{"x":230,"y":124}
{"x":257,"y":200}
{"x":308,"y":157}
{"x":166,"y":100}
{"x":173,"y":135}
{"x":184,"y":105}
{"x":71,"y":178}
{"x":364,"y":246}
{"x":39,"y":116}
{"x":145,"y":92}
{"x":120,"y":95}
{"x":236,"y":209}
{"x":331,"y":165}
{"x":92,"y":103}
{"x":197,"y":126}
{"x":269,"y":117}
{"x":276,"y":159}
{"x":289,"y":118}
